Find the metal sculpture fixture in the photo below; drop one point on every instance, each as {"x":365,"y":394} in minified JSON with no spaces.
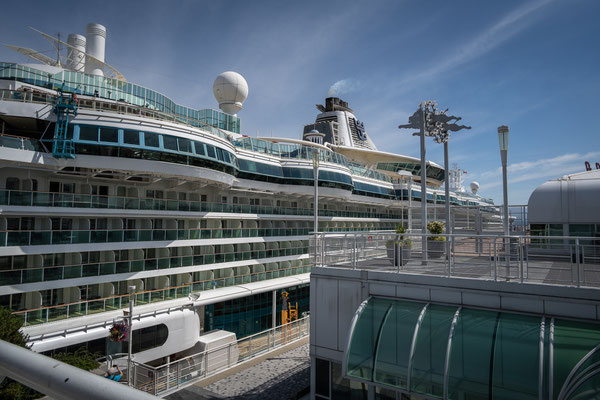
{"x":436,"y":123}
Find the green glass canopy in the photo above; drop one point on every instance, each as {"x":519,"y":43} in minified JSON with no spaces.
{"x":450,"y":352}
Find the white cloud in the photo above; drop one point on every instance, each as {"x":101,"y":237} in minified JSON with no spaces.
{"x":543,"y":168}
{"x":510,"y":25}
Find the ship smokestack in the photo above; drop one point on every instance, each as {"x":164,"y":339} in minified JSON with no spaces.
{"x":95,"y":43}
{"x":76,"y":58}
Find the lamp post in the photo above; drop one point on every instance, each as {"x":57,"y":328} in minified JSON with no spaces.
{"x":407,"y":176}
{"x":503,"y":141}
{"x":315,"y":157}
{"x":131,"y":291}
{"x":423,"y":188}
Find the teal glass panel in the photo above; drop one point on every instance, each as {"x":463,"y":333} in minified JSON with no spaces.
{"x":393,"y":350}
{"x":427,"y":373}
{"x":361,"y":351}
{"x":516,"y":357}
{"x":572,"y":341}
{"x":471,"y":353}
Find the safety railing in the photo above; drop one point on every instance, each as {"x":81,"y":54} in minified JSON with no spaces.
{"x":60,"y":272}
{"x":92,"y":306}
{"x":96,"y":104}
{"x":172,"y":376}
{"x":39,"y":237}
{"x":71,"y":200}
{"x":557,"y":260}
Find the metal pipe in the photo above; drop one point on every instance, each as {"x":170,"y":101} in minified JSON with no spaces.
{"x":131,"y":290}
{"x":447,"y":194}
{"x":423,"y":192}
{"x":59,"y":380}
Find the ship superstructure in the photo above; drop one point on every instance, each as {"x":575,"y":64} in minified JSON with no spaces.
{"x":106,"y":184}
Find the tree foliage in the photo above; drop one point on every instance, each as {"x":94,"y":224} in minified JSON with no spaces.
{"x":10,"y":332}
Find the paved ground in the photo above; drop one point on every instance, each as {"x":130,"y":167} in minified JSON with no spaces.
{"x":280,"y":377}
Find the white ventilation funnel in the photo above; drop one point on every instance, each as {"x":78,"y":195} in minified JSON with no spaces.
{"x":76,"y":56}
{"x":95,"y":43}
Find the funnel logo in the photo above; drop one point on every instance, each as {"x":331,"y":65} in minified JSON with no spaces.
{"x":360,"y":130}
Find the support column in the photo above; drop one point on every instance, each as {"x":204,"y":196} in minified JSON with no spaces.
{"x":274,"y":310}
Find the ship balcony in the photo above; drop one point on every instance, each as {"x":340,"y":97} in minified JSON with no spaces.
{"x":227,"y":253}
{"x":209,"y":280}
{"x":70,"y":200}
{"x":55,"y":237}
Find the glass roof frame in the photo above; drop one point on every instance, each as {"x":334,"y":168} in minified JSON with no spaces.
{"x":518,"y":343}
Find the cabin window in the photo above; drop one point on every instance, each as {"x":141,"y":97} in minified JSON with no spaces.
{"x":109,"y":135}
{"x":184,"y":145}
{"x":170,"y":142}
{"x":89,"y":133}
{"x":131,"y":137}
{"x":199,"y":148}
{"x":151,"y":139}
{"x":12,"y":183}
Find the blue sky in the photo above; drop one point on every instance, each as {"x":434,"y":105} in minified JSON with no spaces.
{"x":532,"y":65}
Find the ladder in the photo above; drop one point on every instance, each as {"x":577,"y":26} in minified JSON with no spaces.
{"x":63,"y":145}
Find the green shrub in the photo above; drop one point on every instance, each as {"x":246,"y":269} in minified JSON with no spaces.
{"x":400,"y":229}
{"x":436,"y":228}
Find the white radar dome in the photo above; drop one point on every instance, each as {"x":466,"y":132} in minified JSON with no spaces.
{"x":230,"y":90}
{"x":474,"y":187}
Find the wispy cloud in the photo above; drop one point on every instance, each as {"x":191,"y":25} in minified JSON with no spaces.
{"x":509,"y":26}
{"x":543,"y":168}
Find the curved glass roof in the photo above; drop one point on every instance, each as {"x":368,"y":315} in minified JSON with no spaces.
{"x":440,"y":351}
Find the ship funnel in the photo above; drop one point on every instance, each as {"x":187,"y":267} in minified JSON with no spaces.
{"x":75,"y":56}
{"x":95,"y":42}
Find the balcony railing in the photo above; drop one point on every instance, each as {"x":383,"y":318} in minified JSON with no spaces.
{"x":47,"y":199}
{"x":92,"y":306}
{"x":556,"y":260}
{"x":36,"y":238}
{"x":53,"y":273}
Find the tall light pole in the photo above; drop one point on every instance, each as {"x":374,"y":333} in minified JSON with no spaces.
{"x":423,"y":188}
{"x":503,"y":141}
{"x":407,"y":177}
{"x":315,"y":157}
{"x":131,"y":291}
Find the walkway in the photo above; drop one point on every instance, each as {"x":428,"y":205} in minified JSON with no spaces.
{"x":278,"y":376}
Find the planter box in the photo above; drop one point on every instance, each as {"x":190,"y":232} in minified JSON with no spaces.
{"x":402,"y":257}
{"x":436,"y":248}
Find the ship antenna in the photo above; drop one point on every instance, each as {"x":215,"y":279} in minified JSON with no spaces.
{"x":58,"y":50}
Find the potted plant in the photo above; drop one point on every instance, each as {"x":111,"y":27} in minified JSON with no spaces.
{"x":118,"y":332}
{"x":399,"y":258}
{"x":435,"y":243}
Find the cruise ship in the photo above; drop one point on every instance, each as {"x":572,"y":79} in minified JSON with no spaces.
{"x":108,"y":185}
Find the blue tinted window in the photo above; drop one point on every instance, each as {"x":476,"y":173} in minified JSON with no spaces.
{"x":170,"y":142}
{"x":184,"y":145}
{"x":199,"y":148}
{"x":109,"y":135}
{"x":88,"y":133}
{"x":151,"y":139}
{"x":210,"y":151}
{"x":131,"y":137}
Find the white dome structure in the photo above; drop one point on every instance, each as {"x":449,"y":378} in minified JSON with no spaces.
{"x":230,"y":90}
{"x":474,"y":187}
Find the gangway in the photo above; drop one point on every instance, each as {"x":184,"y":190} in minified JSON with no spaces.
{"x":63,"y":144}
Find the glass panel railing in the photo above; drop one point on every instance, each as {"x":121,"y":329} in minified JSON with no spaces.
{"x":30,"y":238}
{"x":92,"y":306}
{"x":31,"y":275}
{"x":43,"y":199}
